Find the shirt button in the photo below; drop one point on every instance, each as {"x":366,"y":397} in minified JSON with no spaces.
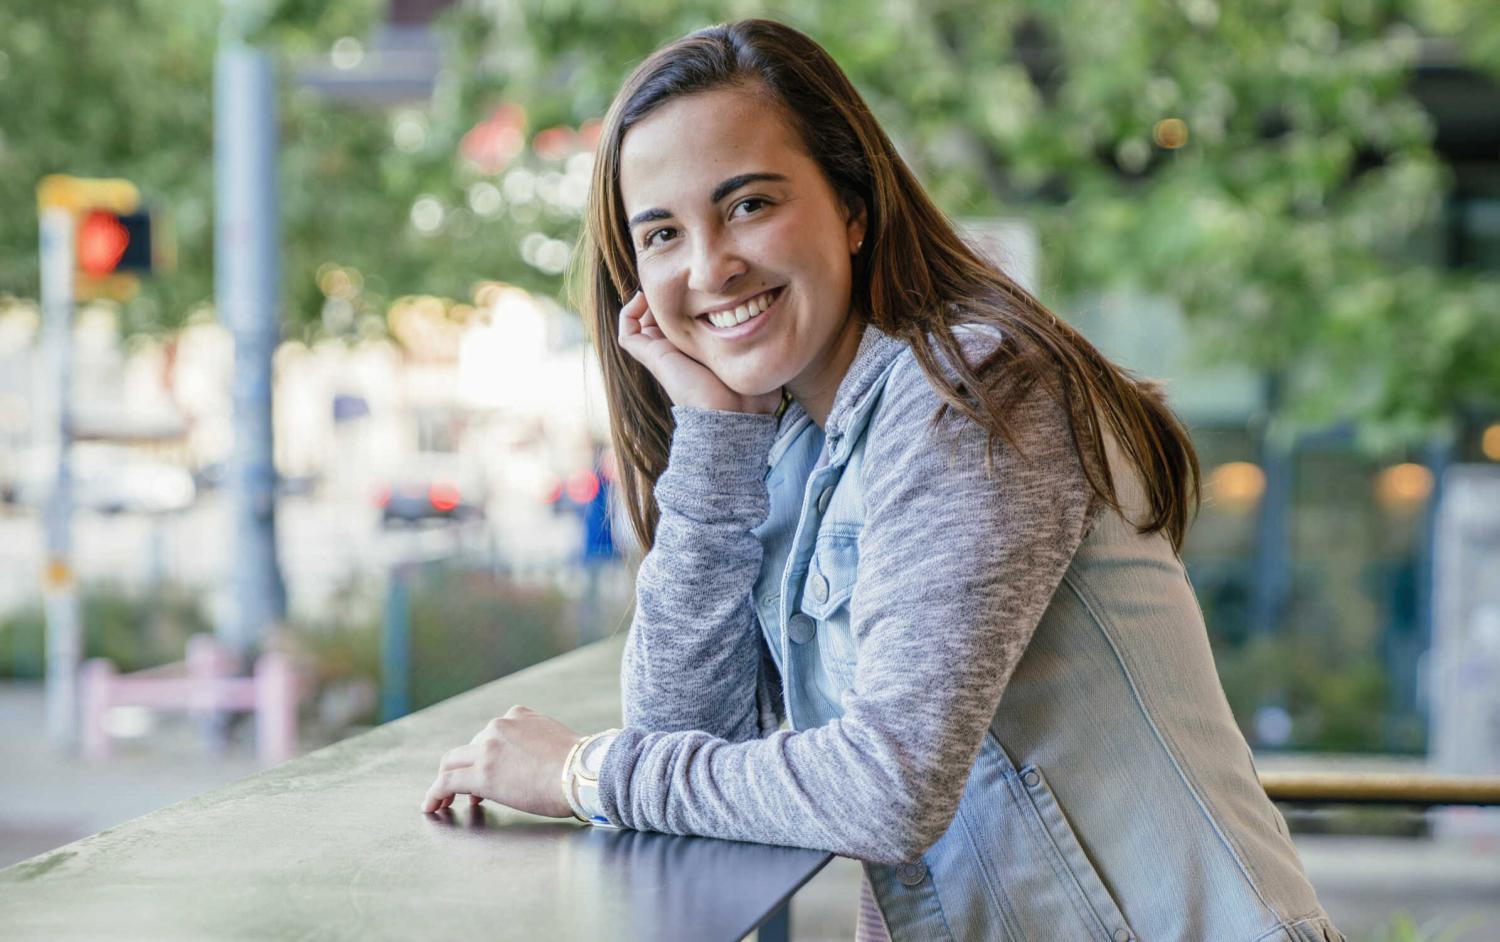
{"x":1123,"y":935}
{"x":800,"y":628}
{"x":911,"y":874}
{"x":818,"y":586}
{"x":1030,"y":778}
{"x":824,"y":498}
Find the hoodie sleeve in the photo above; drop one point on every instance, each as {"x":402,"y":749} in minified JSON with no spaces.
{"x":956,"y":568}
{"x":693,"y":658}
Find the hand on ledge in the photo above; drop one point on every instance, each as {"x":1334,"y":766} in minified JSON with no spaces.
{"x":517,"y":760}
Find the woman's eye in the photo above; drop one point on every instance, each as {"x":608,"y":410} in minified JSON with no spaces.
{"x":651,"y":236}
{"x":754,"y":203}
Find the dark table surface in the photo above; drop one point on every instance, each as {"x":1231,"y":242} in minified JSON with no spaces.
{"x":332,"y":846}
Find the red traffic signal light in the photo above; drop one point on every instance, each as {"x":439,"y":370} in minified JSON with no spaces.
{"x":110,"y":243}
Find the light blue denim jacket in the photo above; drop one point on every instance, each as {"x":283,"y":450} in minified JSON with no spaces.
{"x":1109,"y":795}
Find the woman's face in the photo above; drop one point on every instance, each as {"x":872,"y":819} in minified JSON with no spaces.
{"x":728,"y":211}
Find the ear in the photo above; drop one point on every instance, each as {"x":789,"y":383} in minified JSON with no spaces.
{"x":858,"y":220}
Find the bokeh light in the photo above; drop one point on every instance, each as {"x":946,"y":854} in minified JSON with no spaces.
{"x":1170,"y":133}
{"x":347,"y":53}
{"x":1490,"y":442}
{"x":1403,"y":487}
{"x":1236,"y":485}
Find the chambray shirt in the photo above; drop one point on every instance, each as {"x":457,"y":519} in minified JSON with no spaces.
{"x":980,"y":681}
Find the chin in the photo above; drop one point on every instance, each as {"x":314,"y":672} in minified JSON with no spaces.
{"x":751,"y":385}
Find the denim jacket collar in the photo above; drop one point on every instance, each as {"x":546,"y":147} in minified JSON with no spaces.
{"x":872,"y":361}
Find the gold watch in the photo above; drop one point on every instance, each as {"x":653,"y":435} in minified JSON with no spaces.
{"x":581,"y":773}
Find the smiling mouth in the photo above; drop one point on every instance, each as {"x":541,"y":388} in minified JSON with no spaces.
{"x":749,"y":310}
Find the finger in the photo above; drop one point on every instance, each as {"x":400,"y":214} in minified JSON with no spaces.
{"x":458,"y":757}
{"x":448,"y":784}
{"x":442,"y":793}
{"x":631,"y":313}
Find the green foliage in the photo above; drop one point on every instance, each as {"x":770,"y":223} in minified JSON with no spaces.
{"x":344,"y":645}
{"x":134,"y":629}
{"x":468,"y":628}
{"x":110,"y":90}
{"x":1337,"y":697}
{"x":1290,"y":225}
{"x":1403,"y":928}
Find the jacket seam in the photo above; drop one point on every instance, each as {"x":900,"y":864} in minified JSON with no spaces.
{"x":1286,"y":925}
{"x":992,"y":883}
{"x":1084,"y":903}
{"x":1061,"y":871}
{"x":938,"y":900}
{"x":1234,"y":850}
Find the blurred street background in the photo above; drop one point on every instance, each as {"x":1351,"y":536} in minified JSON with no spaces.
{"x":373,"y":438}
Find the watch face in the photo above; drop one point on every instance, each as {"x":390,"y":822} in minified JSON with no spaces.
{"x":590,"y":761}
{"x":592,"y":758}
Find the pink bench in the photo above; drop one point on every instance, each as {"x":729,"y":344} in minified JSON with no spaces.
{"x":206,"y":682}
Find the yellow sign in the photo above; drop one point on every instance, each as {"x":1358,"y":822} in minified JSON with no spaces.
{"x":77,"y":194}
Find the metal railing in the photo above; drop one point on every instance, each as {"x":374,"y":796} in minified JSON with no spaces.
{"x":1375,"y":788}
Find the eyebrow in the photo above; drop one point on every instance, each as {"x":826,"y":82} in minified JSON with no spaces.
{"x":725,"y":188}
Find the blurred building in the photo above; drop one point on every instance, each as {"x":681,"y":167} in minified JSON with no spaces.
{"x":499,"y":399}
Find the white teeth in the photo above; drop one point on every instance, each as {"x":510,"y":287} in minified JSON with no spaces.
{"x":742,"y":313}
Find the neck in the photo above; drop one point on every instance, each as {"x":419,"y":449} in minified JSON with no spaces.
{"x":816,"y":388}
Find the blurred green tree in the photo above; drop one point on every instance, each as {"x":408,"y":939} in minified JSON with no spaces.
{"x":1265,"y":164}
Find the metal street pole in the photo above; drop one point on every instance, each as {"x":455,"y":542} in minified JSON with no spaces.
{"x":59,"y":592}
{"x":247,"y":280}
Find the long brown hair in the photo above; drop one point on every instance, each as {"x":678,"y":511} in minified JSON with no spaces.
{"x":914,"y":278}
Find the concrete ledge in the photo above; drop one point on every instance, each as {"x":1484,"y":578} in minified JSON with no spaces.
{"x":332,"y":845}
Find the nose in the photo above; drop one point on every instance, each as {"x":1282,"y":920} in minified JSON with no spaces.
{"x":715,"y":265}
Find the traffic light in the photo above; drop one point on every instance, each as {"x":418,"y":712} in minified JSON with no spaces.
{"x":112,"y":235}
{"x":112,"y":243}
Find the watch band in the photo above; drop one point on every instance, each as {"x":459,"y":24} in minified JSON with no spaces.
{"x":567,"y":779}
{"x":581,"y":776}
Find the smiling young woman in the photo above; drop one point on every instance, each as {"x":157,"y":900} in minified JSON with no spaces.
{"x":725,"y":207}
{"x":912,"y":591}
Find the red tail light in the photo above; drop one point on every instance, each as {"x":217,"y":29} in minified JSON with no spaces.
{"x":444,"y":497}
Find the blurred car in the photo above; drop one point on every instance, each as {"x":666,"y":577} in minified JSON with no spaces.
{"x":416,"y":497}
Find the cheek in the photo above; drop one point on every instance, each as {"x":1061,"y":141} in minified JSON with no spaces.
{"x":657,"y":283}
{"x":814,"y":251}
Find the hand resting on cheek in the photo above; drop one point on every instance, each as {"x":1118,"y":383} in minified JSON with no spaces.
{"x":686,"y":381}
